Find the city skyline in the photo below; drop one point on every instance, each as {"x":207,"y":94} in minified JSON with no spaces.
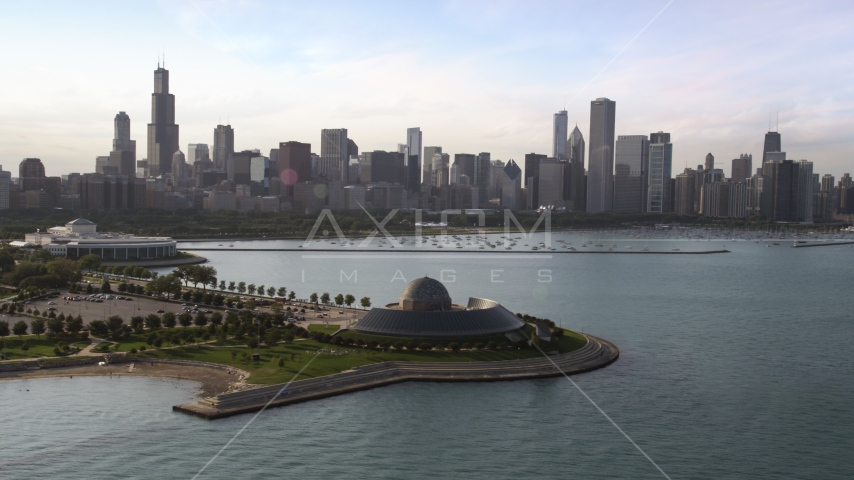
{"x":710,"y":107}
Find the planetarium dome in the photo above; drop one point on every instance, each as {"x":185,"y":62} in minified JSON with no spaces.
{"x":425,"y":294}
{"x":425,"y":310}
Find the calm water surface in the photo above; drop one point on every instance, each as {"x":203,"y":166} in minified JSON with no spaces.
{"x":737,"y":365}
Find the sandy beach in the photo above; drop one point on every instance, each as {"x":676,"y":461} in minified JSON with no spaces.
{"x":213,"y":381}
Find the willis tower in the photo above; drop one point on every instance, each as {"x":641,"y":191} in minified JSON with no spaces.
{"x":162,"y":131}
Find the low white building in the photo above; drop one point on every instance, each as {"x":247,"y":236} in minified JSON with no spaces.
{"x":80,"y":238}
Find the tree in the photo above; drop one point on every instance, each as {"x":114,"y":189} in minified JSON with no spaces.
{"x":292,"y":295}
{"x":216,"y":319}
{"x":201,"y":319}
{"x":4,"y":328}
{"x":222,"y":285}
{"x":55,"y":326}
{"x":366,"y":302}
{"x":98,"y":328}
{"x":37,"y":326}
{"x":73,"y":325}
{"x":241,"y":288}
{"x":185,"y":319}
{"x":67,"y":270}
{"x":281,"y":292}
{"x":313,"y":298}
{"x":153,"y":321}
{"x":115,"y":324}
{"x":137,"y":324}
{"x":339,"y":299}
{"x":271,"y":291}
{"x":325,"y":298}
{"x":251,"y":289}
{"x":169,"y":320}
{"x":90,"y":262}
{"x":105,"y":287}
{"x":20,"y":328}
{"x":231,"y":286}
{"x":261,"y":289}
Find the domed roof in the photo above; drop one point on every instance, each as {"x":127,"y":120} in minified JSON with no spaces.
{"x":425,"y":294}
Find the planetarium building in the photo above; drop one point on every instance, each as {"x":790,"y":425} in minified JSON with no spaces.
{"x":425,"y":310}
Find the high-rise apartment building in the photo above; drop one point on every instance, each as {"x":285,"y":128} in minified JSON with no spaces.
{"x":773,"y":143}
{"x":334,"y":154}
{"x":559,"y":133}
{"x":600,"y":170}
{"x":710,"y":162}
{"x":575,"y":154}
{"x":5,"y":185}
{"x":223,"y":145}
{"x":162,"y":131}
{"x":684,"y":196}
{"x":806,"y":186}
{"x":742,"y":167}
{"x":413,"y":159}
{"x":631,"y":165}
{"x":780,"y":191}
{"x":660,"y":164}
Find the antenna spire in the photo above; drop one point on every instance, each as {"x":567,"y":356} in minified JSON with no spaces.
{"x":777,"y":127}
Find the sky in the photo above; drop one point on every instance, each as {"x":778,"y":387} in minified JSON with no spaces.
{"x":476,"y":76}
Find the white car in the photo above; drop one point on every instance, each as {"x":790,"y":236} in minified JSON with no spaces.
{"x":51,"y":303}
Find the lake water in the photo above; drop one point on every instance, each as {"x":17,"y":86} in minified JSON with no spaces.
{"x":735,"y":365}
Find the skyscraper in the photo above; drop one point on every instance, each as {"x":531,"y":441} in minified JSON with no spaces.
{"x":773,"y":143}
{"x":428,"y":176}
{"x":575,"y":153}
{"x":481,"y":177}
{"x":806,"y":186}
{"x":511,"y":186}
{"x":742,"y":167}
{"x":31,"y":174}
{"x":294,"y":163}
{"x":660,"y":163}
{"x":685,"y":183}
{"x":710,"y":162}
{"x":532,"y":178}
{"x":413,"y":159}
{"x":223,"y":145}
{"x":121,"y":135}
{"x":162,"y":131}
{"x":334,"y":154}
{"x":631,"y":165}
{"x":559,"y":131}
{"x":600,"y":171}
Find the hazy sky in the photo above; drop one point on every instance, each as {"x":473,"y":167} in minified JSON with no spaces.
{"x":475,"y":76}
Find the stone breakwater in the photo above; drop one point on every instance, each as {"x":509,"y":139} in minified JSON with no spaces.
{"x":596,"y":354}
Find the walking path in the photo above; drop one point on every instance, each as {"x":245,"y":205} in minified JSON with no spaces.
{"x":596,"y":354}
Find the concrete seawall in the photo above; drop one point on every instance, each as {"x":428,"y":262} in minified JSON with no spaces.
{"x":596,"y":354}
{"x":452,"y":251}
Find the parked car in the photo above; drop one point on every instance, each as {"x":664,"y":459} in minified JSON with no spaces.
{"x":51,"y":302}
{"x":160,"y":311}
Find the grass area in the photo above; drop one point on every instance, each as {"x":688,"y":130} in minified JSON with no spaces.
{"x":528,"y":330}
{"x":329,"y":329}
{"x":39,"y":346}
{"x":297,"y":355}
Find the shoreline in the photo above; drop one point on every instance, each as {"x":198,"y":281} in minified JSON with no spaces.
{"x":212,"y":381}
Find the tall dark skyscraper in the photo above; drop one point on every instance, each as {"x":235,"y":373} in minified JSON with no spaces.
{"x":710,"y":162}
{"x":223,"y":146}
{"x":162,"y":131}
{"x":742,"y":167}
{"x":600,"y":170}
{"x":31,"y":174}
{"x":481,"y":177}
{"x":294,"y":162}
{"x":413,"y":159}
{"x":575,"y":153}
{"x":773,"y":143}
{"x":121,"y":136}
{"x":660,"y":164}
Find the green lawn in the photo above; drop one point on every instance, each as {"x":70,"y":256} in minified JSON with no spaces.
{"x":266,"y":371}
{"x":39,"y":347}
{"x":329,"y":329}
{"x":528,"y":329}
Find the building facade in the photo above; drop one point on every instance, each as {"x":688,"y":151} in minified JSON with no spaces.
{"x":600,"y":172}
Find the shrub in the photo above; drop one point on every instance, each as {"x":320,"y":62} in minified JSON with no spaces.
{"x":467,"y":346}
{"x":425,"y":346}
{"x":454,"y":346}
{"x":411,"y":346}
{"x":478,"y":346}
{"x":491,"y":345}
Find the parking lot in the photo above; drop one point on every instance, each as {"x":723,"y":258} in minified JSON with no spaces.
{"x":127,"y":307}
